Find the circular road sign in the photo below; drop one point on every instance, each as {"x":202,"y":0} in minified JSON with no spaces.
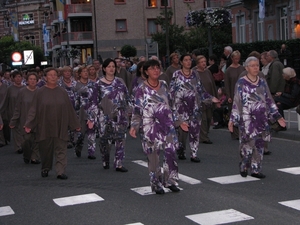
{"x":16,"y":56}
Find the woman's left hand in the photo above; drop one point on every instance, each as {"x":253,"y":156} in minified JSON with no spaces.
{"x":281,"y":122}
{"x":230,"y":126}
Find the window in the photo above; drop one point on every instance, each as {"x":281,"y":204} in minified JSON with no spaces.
{"x":30,"y":38}
{"x":152,"y":26}
{"x":6,"y":22}
{"x":120,"y":1}
{"x":241,"y":29}
{"x":259,"y":28}
{"x":283,"y":24}
{"x":121,"y":25}
{"x":162,"y":3}
{"x":152,"y":3}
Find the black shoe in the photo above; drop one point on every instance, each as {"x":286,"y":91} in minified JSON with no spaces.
{"x":70,"y":145}
{"x":181,"y":156}
{"x":91,"y":157}
{"x":20,"y":151}
{"x":62,"y":176}
{"x":279,"y":128}
{"x":121,"y":169}
{"x":44,"y":173}
{"x":35,"y":161}
{"x":173,"y":188}
{"x":268,"y":153}
{"x":258,"y":175}
{"x":207,"y":142}
{"x":78,"y":153}
{"x":1,"y":145}
{"x":106,"y":165}
{"x":195,"y":159}
{"x":26,"y":161}
{"x":243,"y":173}
{"x":160,"y":191}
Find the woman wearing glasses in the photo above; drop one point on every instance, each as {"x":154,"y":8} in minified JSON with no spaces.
{"x":252,"y":107}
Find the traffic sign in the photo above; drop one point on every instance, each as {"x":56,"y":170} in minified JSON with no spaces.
{"x":16,"y":56}
{"x":28,"y":57}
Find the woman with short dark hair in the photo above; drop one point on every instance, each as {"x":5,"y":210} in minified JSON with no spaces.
{"x":153,"y":116}
{"x":50,"y":115}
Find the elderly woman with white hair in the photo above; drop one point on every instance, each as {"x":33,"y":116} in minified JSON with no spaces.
{"x":253,"y":107}
{"x":290,"y":97}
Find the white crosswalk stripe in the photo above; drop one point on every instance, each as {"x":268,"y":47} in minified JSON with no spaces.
{"x":134,"y":224}
{"x":182,"y":177}
{"x":295,"y":204}
{"x":6,"y":210}
{"x":147,"y":190}
{"x":219,"y":217}
{"x":291,"y":170}
{"x":232,"y":179}
{"x":77,"y":199}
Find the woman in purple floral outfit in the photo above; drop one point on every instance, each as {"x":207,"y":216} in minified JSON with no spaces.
{"x":153,"y":113}
{"x":187,"y":95}
{"x":252,"y":107}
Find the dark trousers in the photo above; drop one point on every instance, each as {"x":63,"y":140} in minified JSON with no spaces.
{"x":57,"y":148}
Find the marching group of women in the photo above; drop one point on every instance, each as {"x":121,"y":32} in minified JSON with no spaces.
{"x":163,"y":114}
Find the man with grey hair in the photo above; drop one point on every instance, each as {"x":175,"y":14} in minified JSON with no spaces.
{"x":274,"y":77}
{"x":227,"y":52}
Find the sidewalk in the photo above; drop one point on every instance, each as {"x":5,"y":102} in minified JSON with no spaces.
{"x":291,"y":133}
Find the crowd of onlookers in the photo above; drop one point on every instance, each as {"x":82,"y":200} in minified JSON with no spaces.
{"x":195,"y":92}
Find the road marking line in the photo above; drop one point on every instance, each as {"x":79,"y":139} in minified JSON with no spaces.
{"x":182,"y":177}
{"x":232,"y":179}
{"x":219,"y":217}
{"x":78,"y":199}
{"x":134,"y":224}
{"x":6,"y":210}
{"x":295,"y":204}
{"x":291,"y":170}
{"x":147,"y":190}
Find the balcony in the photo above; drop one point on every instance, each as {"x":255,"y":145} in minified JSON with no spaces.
{"x":83,"y":37}
{"x":55,"y":17}
{"x":75,"y":10}
{"x":56,"y":42}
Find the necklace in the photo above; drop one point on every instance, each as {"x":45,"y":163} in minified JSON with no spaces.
{"x":83,"y":82}
{"x":252,"y":81}
{"x":67,"y":81}
{"x":153,"y":86}
{"x":186,"y":75}
{"x":108,"y":79}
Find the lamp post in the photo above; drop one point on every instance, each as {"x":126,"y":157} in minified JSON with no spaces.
{"x":167,"y":33}
{"x":210,"y":51}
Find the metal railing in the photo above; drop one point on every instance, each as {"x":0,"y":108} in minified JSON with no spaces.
{"x":78,"y":36}
{"x":79,"y":8}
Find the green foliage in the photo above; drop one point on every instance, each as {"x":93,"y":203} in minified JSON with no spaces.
{"x":128,"y":51}
{"x":8,"y":46}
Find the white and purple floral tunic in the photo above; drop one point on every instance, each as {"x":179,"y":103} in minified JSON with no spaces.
{"x":253,"y":107}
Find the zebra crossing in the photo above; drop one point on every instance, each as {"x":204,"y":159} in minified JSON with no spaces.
{"x":205,"y":218}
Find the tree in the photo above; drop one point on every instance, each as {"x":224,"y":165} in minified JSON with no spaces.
{"x":128,"y":51}
{"x":8,"y":46}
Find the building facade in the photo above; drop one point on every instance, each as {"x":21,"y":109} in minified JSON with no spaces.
{"x":280,"y":22}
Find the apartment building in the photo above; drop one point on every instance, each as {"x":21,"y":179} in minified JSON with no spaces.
{"x":280,"y":22}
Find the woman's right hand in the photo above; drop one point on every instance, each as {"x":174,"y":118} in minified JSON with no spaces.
{"x":132,"y":132}
{"x":184,"y":126}
{"x":90,"y":124}
{"x":230,"y":126}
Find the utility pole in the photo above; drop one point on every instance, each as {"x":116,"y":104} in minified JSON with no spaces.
{"x":167,"y":32}
{"x":210,"y":51}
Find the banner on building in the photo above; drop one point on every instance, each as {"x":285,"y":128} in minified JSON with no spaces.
{"x":15,"y":25}
{"x":60,"y":5}
{"x":261,"y":4}
{"x":46,"y":37}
